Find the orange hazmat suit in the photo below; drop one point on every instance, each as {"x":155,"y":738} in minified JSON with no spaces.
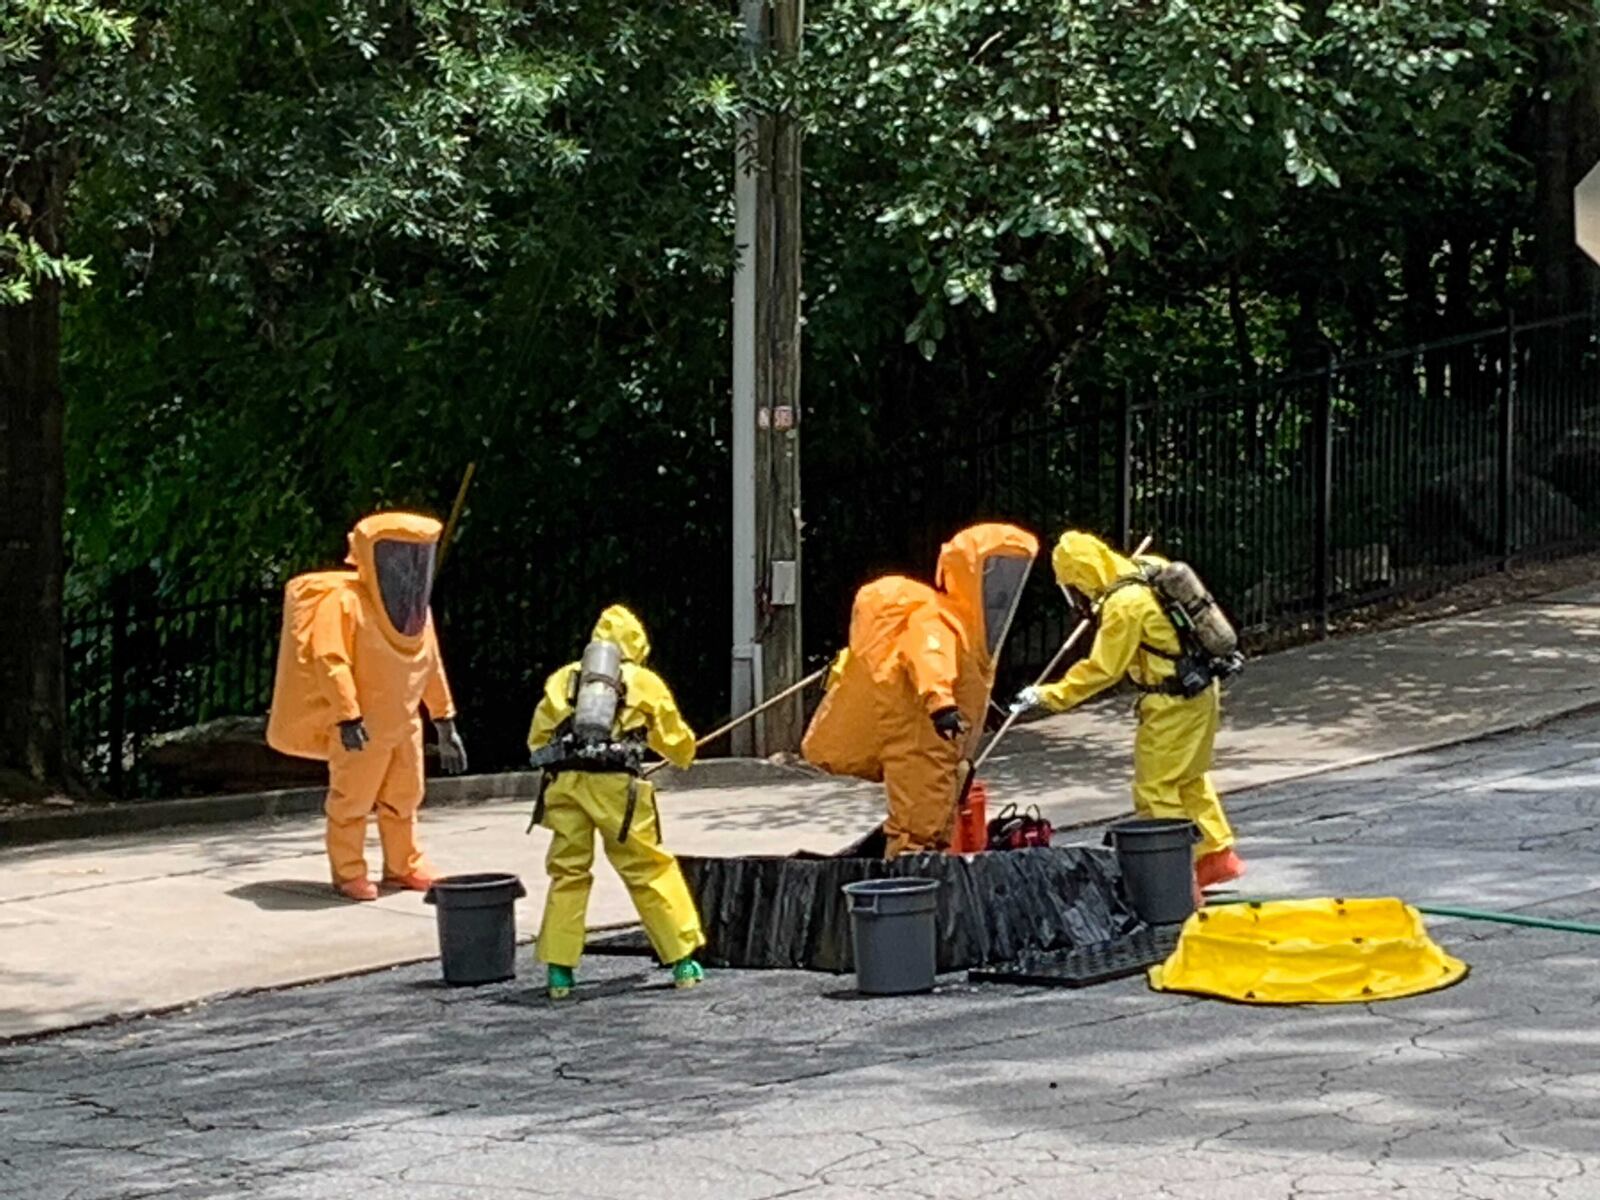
{"x":359,"y":647}
{"x":915,"y":652}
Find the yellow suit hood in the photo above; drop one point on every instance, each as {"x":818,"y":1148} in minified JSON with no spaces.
{"x":618,"y":624}
{"x":1082,"y":561}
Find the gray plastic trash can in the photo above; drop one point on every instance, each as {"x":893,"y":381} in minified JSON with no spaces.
{"x":477,"y":927}
{"x":893,"y":923}
{"x":1157,"y":862}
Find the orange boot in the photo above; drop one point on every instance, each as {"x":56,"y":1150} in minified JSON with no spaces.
{"x":357,"y":889}
{"x":1218,"y":867}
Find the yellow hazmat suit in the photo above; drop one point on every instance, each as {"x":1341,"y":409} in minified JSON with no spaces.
{"x":361,"y":648}
{"x":1172,"y":748}
{"x":577,"y":803}
{"x":916,"y":652}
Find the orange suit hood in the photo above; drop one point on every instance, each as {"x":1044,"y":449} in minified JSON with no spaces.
{"x":981,"y":573}
{"x":402,"y":529}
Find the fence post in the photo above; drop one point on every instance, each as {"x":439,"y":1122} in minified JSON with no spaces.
{"x":1323,"y":537}
{"x":1507,"y":440}
{"x":117,"y":713}
{"x":1125,"y":468}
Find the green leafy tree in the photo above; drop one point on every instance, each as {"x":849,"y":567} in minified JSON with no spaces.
{"x":414,"y":238}
{"x":78,"y":80}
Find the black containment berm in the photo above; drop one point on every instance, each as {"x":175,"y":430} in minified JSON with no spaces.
{"x":477,"y":927}
{"x":893,"y":926}
{"x":793,"y":912}
{"x":1157,"y":862}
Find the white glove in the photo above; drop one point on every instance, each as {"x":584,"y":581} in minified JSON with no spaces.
{"x":1027,"y":698}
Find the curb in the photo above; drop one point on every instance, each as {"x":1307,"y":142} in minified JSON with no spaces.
{"x":128,"y":1016}
{"x":136,"y":816}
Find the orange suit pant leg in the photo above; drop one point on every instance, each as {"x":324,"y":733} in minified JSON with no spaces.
{"x":354,"y":779}
{"x":919,"y":776}
{"x":399,"y":797}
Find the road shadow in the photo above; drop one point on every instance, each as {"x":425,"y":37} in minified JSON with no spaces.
{"x":289,"y":895}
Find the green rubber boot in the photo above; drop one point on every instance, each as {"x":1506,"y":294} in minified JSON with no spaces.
{"x":560,"y":981}
{"x":686,"y":973}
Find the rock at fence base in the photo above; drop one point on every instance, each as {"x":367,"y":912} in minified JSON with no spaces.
{"x":792,"y":912}
{"x":1574,"y":468}
{"x":1363,"y":568}
{"x":229,"y":754}
{"x":1455,"y":517}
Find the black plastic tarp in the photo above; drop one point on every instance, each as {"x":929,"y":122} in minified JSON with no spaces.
{"x":994,"y":907}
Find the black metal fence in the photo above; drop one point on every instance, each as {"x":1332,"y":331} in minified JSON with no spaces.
{"x":1297,"y":497}
{"x":139,"y":665}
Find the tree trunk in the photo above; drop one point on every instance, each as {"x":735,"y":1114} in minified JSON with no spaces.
{"x":32,"y":480}
{"x":1565,"y":128}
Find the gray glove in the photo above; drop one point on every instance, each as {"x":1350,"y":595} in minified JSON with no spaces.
{"x":353,"y":734}
{"x":452,"y":753}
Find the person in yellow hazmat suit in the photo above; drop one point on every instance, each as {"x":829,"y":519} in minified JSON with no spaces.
{"x":357,"y":660}
{"x":906,"y":701}
{"x":1172,"y":747}
{"x":589,"y":733}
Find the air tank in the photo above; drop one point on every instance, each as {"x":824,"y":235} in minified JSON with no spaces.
{"x":599,"y":689}
{"x":1178,"y":582}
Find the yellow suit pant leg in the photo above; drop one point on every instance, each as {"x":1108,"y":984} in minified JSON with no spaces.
{"x":576,"y":807}
{"x":654,"y":879}
{"x":570,"y":866}
{"x":399,"y":796}
{"x":1172,"y":764}
{"x":355,"y":778}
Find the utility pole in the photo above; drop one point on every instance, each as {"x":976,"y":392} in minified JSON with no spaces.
{"x":766,"y":400}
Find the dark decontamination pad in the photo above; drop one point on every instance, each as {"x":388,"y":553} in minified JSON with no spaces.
{"x":1086,"y":966}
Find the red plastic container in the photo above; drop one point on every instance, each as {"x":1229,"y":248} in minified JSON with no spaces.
{"x":972,"y":821}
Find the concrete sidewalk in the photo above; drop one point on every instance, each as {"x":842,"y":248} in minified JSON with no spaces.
{"x":136,"y":922}
{"x":1334,"y":704}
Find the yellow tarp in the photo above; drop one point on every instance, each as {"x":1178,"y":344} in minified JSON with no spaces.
{"x":1307,"y":952}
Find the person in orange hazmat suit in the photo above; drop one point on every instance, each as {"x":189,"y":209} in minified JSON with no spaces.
{"x":1172,"y":747}
{"x":906,"y":701}
{"x":358,"y":657}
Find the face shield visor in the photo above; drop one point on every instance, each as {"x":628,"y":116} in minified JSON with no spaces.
{"x":1003,"y":578}
{"x":405,"y":582}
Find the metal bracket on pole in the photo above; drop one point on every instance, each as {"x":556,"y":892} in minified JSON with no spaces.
{"x":758,"y":687}
{"x":747,"y":693}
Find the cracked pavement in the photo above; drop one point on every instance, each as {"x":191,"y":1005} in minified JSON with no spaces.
{"x":767,"y":1085}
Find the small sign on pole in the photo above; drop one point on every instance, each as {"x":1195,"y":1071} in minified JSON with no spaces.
{"x":1586,"y":213}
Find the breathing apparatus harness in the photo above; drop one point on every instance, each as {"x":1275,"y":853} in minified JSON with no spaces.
{"x":587,"y":740}
{"x":1208,"y":647}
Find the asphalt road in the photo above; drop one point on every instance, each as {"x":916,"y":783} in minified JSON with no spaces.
{"x":766,"y":1085}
